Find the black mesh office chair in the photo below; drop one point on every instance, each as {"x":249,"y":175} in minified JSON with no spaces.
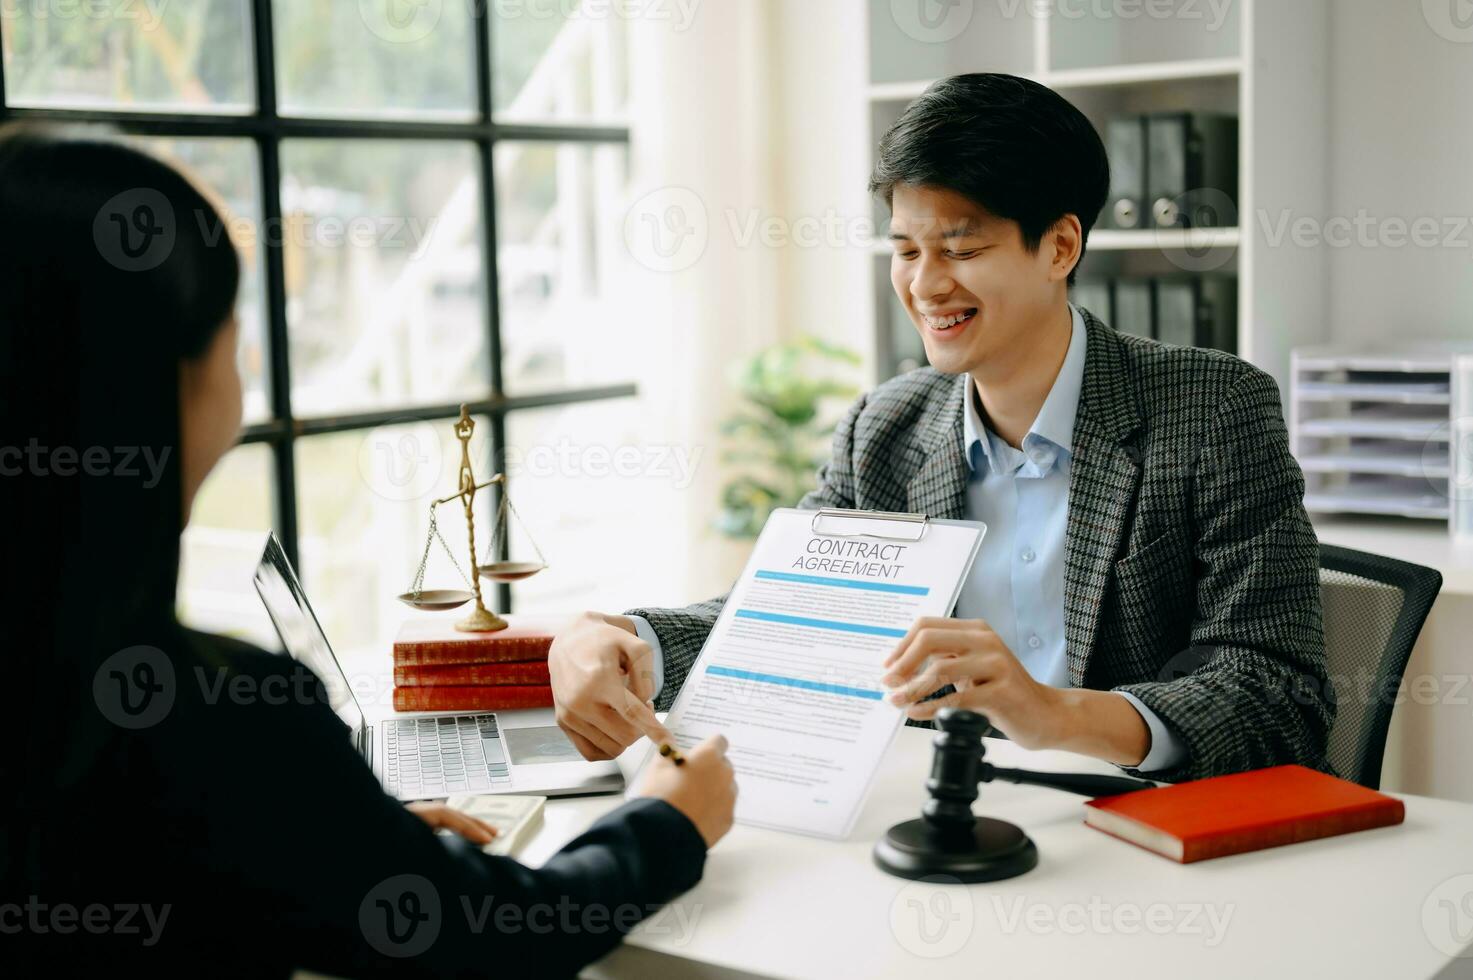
{"x":1374,"y":609}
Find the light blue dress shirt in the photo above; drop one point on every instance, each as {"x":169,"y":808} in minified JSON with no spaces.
{"x":1022,"y":495}
{"x":1017,"y":583}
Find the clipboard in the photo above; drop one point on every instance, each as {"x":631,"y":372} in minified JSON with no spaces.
{"x":917,"y":522}
{"x":829,"y":523}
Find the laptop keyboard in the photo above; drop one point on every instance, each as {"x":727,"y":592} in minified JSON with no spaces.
{"x":440,"y":756}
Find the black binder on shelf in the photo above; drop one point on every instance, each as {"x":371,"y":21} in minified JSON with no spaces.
{"x":1190,"y":151}
{"x":1133,"y":307}
{"x":1125,"y":144}
{"x":1197,"y":311}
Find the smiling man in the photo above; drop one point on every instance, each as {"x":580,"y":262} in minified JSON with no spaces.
{"x":1148,"y":590}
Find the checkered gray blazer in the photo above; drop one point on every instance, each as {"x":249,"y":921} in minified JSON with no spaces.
{"x":1191,"y":568}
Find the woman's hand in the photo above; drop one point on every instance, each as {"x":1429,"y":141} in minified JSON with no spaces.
{"x":988,"y":678}
{"x":442,"y":817}
{"x":704,"y":788}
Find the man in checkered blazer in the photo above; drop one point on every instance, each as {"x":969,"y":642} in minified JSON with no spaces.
{"x":1148,"y":590}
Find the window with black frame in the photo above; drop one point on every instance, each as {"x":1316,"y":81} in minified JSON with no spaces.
{"x":427,"y":200}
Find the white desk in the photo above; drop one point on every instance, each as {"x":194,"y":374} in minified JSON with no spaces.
{"x":779,"y":905}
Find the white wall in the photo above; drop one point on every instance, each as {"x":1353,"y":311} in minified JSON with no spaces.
{"x":702,"y":147}
{"x":820,"y":109}
{"x":1401,"y":103}
{"x":752,"y":120}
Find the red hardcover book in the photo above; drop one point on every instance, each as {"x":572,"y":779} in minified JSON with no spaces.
{"x":1246,"y":811}
{"x":428,"y":642}
{"x":532,"y":672}
{"x":485,"y":697}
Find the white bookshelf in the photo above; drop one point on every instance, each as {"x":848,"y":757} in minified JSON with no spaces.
{"x":1101,"y":77}
{"x":1171,"y":239}
{"x":1266,"y":63}
{"x":1138,"y":74}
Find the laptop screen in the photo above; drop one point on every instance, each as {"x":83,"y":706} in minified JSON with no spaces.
{"x":300,"y":633}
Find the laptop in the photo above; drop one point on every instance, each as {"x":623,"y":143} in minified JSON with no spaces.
{"x":429,"y":755}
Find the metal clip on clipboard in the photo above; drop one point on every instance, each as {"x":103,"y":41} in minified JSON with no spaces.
{"x":916,"y":524}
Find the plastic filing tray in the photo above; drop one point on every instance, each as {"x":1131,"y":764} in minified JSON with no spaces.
{"x":1386,"y":430}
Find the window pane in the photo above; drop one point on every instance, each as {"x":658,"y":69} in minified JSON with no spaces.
{"x":585,"y":480}
{"x":363,"y":500}
{"x":383,"y":246}
{"x":559,"y":61}
{"x":220,"y":548}
{"x":379,"y":58}
{"x":230,"y":171}
{"x":561,"y":258}
{"x":185,"y":54}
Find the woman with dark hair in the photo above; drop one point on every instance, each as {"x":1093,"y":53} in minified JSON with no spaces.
{"x":180,"y":802}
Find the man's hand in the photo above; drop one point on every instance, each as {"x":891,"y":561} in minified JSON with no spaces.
{"x":602,"y":683}
{"x":990,"y":680}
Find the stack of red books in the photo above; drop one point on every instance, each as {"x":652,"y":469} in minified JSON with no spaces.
{"x":439,"y":668}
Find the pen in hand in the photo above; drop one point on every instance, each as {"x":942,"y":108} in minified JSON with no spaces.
{"x":643,"y":716}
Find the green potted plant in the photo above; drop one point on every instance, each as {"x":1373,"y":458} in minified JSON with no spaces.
{"x":792,"y":392}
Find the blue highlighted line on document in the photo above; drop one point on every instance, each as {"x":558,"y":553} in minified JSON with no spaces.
{"x":752,"y":675}
{"x":844,"y":583}
{"x":819,"y":624}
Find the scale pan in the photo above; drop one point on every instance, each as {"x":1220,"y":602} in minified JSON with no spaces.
{"x":437,"y":599}
{"x":510,"y":571}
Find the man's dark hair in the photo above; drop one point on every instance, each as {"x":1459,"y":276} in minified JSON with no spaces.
{"x":1017,"y":148}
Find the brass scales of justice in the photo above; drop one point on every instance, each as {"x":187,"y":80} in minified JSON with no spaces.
{"x":481,"y":619}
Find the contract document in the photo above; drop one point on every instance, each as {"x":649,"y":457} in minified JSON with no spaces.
{"x":791,"y":672}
